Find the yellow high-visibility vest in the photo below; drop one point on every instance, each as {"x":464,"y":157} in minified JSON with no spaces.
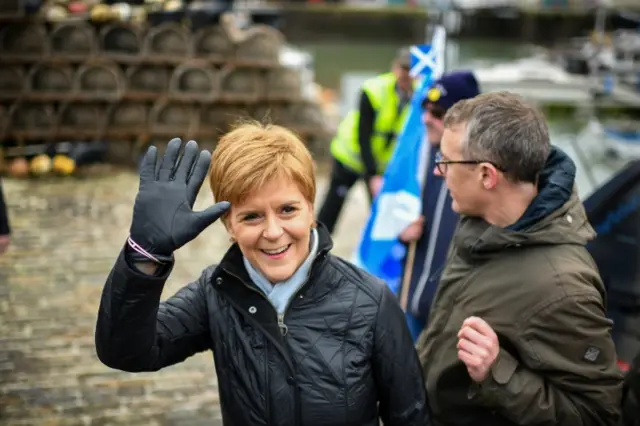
{"x":389,"y":122}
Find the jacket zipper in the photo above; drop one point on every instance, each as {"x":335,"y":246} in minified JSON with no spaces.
{"x":280,"y":321}
{"x":283,"y":327}
{"x":281,"y":324}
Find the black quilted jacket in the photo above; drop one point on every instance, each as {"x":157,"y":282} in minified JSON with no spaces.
{"x":342,"y":355}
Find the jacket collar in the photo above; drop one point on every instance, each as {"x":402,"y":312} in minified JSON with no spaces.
{"x":555,"y":187}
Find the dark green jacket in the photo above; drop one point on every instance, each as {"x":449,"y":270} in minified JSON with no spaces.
{"x":537,"y":286}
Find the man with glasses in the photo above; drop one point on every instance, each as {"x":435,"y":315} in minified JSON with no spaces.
{"x":517,"y":333}
{"x":431,"y":234}
{"x":367,"y":137}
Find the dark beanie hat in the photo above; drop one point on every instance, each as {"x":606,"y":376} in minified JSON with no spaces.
{"x":451,"y":88}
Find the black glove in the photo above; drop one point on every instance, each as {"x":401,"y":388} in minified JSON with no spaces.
{"x":163,"y":219}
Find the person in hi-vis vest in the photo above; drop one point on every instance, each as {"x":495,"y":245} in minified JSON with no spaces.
{"x":367,"y":136}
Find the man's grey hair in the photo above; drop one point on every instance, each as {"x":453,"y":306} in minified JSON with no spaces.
{"x":501,"y":128}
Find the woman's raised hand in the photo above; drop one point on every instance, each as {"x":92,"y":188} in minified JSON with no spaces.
{"x":163,"y":216}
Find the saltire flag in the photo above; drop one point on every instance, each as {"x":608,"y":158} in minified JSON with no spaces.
{"x":399,"y":202}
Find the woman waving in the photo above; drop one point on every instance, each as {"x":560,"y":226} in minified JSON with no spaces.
{"x":299,"y":336}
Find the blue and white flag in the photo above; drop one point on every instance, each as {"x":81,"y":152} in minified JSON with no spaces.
{"x":399,"y":202}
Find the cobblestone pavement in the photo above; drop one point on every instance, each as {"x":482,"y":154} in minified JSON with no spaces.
{"x":67,"y":233}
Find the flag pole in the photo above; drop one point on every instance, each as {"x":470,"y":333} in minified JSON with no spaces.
{"x":411,"y":250}
{"x":406,"y":277}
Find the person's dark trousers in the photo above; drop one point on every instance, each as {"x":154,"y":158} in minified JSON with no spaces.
{"x":342,"y":180}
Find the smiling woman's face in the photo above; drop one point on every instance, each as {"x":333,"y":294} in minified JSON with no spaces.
{"x":272,"y":227}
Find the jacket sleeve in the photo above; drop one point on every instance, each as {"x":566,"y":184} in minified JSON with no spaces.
{"x":136,"y":332}
{"x":568,"y":373}
{"x":365,"y":133}
{"x":397,"y":370}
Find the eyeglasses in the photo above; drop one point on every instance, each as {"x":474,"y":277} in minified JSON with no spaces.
{"x":441,"y":164}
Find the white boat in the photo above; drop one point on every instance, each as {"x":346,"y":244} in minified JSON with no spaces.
{"x":615,"y":136}
{"x":537,"y":80}
{"x":623,"y":138}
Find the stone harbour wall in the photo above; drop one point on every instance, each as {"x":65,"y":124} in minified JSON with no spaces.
{"x":66,"y":235}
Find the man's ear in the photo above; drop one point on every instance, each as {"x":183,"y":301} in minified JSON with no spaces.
{"x":489,"y":176}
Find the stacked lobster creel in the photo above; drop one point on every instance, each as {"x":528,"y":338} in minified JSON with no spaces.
{"x":104,"y":91}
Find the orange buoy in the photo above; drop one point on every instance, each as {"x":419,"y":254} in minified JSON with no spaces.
{"x":18,"y":168}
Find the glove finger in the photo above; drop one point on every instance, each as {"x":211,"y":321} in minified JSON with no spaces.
{"x":168,"y":162}
{"x":194,"y":182}
{"x":148,"y":166}
{"x":189,"y":155}
{"x":210,"y":215}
